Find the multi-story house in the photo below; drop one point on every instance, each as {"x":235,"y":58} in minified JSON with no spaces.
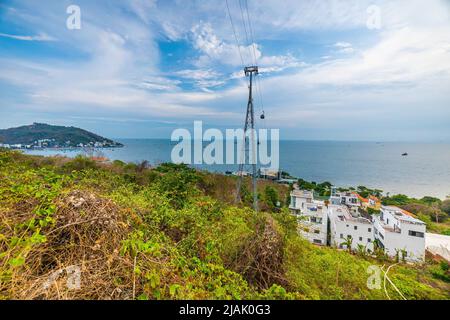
{"x":349,"y":199}
{"x":311,"y":215}
{"x":348,"y":227}
{"x":299,"y":199}
{"x":400,"y":234}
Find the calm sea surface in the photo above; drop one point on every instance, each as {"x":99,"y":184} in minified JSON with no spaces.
{"x":425,"y":171}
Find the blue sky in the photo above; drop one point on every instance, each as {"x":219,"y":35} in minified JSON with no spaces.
{"x":141,"y":68}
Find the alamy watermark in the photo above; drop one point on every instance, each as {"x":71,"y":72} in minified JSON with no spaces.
{"x":374,"y":17}
{"x":73,"y":21}
{"x":73,"y":281}
{"x":374,"y":279}
{"x":259,"y":147}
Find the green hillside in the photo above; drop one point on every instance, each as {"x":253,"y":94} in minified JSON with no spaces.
{"x":169,"y":233}
{"x":60,"y":135}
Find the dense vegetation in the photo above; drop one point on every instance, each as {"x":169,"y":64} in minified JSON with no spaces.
{"x":38,"y":131}
{"x":169,"y":233}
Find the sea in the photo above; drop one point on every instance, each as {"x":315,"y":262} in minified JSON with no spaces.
{"x":425,"y":171}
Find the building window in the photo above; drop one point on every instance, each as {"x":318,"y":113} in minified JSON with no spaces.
{"x":355,"y":227}
{"x":317,"y":231}
{"x":369,"y":240}
{"x":347,"y":226}
{"x":317,"y":241}
{"x":360,"y":238}
{"x":342,"y":236}
{"x":370,"y":229}
{"x":416,"y":234}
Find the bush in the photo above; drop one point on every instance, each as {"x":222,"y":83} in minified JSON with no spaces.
{"x":79,"y":163}
{"x":445,"y":206}
{"x":271,"y":197}
{"x":432,"y":211}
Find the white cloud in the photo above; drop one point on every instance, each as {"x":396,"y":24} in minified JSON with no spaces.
{"x":402,"y":70}
{"x":344,"y":47}
{"x":215,"y":50}
{"x":39,"y":37}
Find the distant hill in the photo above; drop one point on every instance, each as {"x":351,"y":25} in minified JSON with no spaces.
{"x":45,"y":135}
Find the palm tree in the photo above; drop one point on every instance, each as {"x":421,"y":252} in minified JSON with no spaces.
{"x":348,"y":242}
{"x":404,"y":254}
{"x":397,"y":255}
{"x":361,"y":250}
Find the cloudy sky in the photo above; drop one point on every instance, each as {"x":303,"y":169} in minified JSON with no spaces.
{"x":334,"y":70}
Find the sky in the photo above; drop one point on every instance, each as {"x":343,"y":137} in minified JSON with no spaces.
{"x":329,"y":69}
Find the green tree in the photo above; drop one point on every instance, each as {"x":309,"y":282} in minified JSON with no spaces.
{"x":445,"y":206}
{"x":348,"y":243}
{"x":397,"y":200}
{"x":271,"y":196}
{"x":361,"y":250}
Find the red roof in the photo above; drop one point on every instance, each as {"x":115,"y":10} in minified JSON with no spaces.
{"x":362,"y":199}
{"x":408,"y":213}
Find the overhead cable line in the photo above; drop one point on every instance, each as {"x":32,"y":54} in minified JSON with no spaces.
{"x":257,"y":80}
{"x":235,"y":34}
{"x":245,"y":30}
{"x":251,"y":33}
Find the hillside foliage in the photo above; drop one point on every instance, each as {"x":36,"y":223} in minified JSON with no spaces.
{"x":169,"y":232}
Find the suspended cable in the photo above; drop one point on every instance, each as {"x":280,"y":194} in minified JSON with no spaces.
{"x":235,"y":34}
{"x":245,"y":29}
{"x":251,"y":33}
{"x":257,"y":80}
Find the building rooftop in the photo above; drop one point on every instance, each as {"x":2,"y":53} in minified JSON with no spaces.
{"x":302,"y":193}
{"x":343,"y":213}
{"x":402,"y":215}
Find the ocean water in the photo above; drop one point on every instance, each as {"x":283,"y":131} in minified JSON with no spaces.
{"x":425,"y":171}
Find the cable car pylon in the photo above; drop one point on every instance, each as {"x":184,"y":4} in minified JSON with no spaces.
{"x":249,"y":126}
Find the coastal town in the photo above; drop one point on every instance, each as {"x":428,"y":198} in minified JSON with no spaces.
{"x":343,"y":222}
{"x":53,"y":144}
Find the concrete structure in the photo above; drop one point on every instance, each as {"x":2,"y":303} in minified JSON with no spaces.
{"x":345,"y":224}
{"x":438,"y":244}
{"x":299,"y":199}
{"x":269,"y":174}
{"x":400,"y":234}
{"x":311,"y":215}
{"x":349,"y":199}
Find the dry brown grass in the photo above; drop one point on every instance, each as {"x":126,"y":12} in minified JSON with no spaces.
{"x":87,"y":235}
{"x":260,"y":259}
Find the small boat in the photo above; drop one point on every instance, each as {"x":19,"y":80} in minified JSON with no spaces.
{"x":404,"y":154}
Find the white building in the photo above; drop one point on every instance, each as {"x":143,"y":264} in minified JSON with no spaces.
{"x":345,"y":224}
{"x":311,"y":215}
{"x":400,"y":234}
{"x":349,"y":199}
{"x":299,"y":199}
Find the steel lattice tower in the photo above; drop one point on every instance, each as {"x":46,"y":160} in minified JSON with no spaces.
{"x":249,"y":126}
